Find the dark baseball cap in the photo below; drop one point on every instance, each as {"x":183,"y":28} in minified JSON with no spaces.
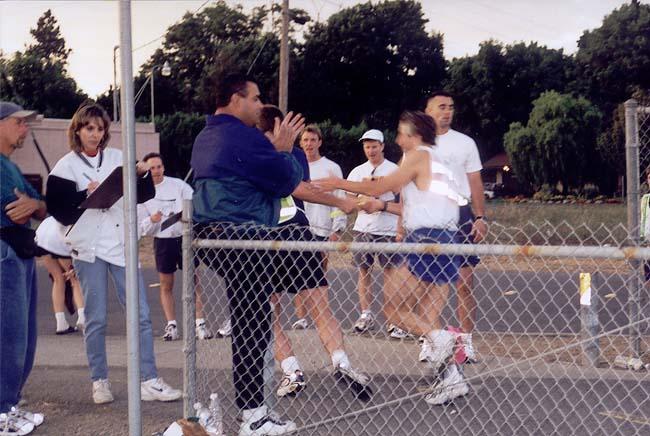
{"x":9,"y":109}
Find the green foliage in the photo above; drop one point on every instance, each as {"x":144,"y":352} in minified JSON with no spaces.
{"x":177,"y":133}
{"x":614,"y":59}
{"x":38,"y":78}
{"x":497,"y":86}
{"x":557,"y":144}
{"x":50,"y":45}
{"x":369,"y":61}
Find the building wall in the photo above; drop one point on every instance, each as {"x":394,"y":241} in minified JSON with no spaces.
{"x":52,"y":136}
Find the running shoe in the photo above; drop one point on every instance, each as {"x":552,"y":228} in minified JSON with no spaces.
{"x":365,"y":322}
{"x":202,"y":332}
{"x":156,"y":389}
{"x":171,"y":333}
{"x":263,"y":423}
{"x":102,"y":392}
{"x":225,"y":330}
{"x":301,"y":324}
{"x":11,"y":425}
{"x":357,"y":381}
{"x":291,"y":384}
{"x":449,"y":386}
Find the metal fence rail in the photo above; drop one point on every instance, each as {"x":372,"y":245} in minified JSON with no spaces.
{"x":552,"y":324}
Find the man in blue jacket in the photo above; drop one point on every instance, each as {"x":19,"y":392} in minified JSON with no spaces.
{"x":240,"y":177}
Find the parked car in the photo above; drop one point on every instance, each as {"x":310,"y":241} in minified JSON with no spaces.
{"x":492,"y":190}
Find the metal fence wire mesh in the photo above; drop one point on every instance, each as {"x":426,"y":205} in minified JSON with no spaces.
{"x":551,"y":324}
{"x":643,"y":120}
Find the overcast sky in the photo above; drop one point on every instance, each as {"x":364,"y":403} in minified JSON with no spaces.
{"x":90,"y":28}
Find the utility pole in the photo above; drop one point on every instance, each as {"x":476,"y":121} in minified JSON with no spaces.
{"x":284,"y":58}
{"x":115,"y":97}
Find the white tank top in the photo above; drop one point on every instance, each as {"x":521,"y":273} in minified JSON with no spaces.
{"x":437,"y":206}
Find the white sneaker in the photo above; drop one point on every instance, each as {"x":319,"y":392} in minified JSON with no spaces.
{"x":11,"y":425}
{"x":451,"y":385}
{"x":437,"y":348}
{"x":470,"y":352}
{"x":301,"y":324}
{"x":102,"y":392}
{"x":291,"y":384}
{"x":202,"y":332}
{"x":397,"y":333}
{"x":156,"y":389}
{"x":171,"y":333}
{"x":35,"y":418}
{"x":225,"y":330}
{"x":365,"y":322}
{"x":357,"y":381}
{"x":260,"y":423}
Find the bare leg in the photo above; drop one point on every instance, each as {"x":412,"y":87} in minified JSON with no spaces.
{"x":166,"y":296}
{"x":283,"y":347}
{"x":58,"y":283}
{"x":466,"y":300}
{"x":301,"y":307}
{"x":398,"y":298}
{"x":365,"y":288}
{"x":329,"y":329}
{"x":433,"y":302}
{"x":77,"y":294}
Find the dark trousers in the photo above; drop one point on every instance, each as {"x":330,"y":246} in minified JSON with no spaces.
{"x":250,"y":311}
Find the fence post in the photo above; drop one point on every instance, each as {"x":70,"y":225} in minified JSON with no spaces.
{"x":589,"y":323}
{"x":633,"y":217}
{"x":189,"y":313}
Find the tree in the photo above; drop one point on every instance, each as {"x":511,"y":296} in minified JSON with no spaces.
{"x":49,"y":45}
{"x":497,"y":86}
{"x":557,"y":144}
{"x":614,"y":59}
{"x":369,"y":61}
{"x":202,"y":46}
{"x":38,"y":78}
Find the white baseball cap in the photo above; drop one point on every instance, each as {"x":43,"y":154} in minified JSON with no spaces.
{"x":373,"y":135}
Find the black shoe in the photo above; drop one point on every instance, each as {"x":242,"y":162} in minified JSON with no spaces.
{"x":356,"y":381}
{"x":67,"y":331}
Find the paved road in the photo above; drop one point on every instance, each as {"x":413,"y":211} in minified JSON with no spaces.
{"x":540,"y":398}
{"x":542,"y":302}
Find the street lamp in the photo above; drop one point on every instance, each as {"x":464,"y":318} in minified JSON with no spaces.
{"x":166,"y":71}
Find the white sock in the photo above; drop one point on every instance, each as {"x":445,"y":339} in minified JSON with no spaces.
{"x":173,"y":321}
{"x":290,"y":365}
{"x":61,"y":322}
{"x":366,"y":312}
{"x":466,"y":338}
{"x":253,"y":414}
{"x":340,"y":358}
{"x":81,"y":316}
{"x":198,"y":321}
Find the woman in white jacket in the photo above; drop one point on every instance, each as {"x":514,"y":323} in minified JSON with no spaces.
{"x":96,"y":239}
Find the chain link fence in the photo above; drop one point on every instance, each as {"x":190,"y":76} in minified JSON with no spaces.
{"x":552,"y":327}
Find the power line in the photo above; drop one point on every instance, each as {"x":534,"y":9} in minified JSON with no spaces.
{"x":163,"y":35}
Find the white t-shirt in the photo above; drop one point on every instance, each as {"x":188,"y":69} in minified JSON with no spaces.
{"x":325,"y":220}
{"x":378,"y":223}
{"x":459,"y":153}
{"x":170,"y":194}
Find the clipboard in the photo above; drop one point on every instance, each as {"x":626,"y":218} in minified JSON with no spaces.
{"x":171,"y":221}
{"x":107,"y":193}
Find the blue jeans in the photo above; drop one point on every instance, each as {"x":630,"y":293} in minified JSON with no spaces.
{"x":18,"y":300}
{"x":94,"y":282}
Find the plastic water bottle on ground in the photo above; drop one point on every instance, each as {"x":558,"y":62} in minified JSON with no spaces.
{"x":202,"y":413}
{"x":214,"y":425}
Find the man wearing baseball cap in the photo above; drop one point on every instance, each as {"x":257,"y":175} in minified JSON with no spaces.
{"x":19,"y":203}
{"x":379,"y":226}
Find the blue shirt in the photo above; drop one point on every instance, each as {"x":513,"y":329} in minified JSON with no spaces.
{"x":10,"y":178}
{"x":239,"y":176}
